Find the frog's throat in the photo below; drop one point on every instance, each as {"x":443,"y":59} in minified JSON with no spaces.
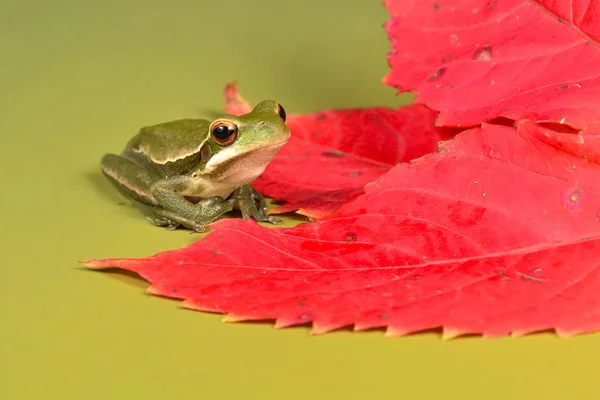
{"x":261,"y":156}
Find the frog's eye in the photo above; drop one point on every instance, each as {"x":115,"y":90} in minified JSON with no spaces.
{"x":281,"y":112}
{"x":224,"y":133}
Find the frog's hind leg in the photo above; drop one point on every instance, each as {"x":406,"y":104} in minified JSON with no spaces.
{"x":131,"y":180}
{"x":134,"y":183}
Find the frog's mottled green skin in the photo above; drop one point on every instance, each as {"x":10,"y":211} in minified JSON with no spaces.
{"x":178,"y":174}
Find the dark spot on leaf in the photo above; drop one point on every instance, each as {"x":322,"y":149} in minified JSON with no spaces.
{"x":513,"y":37}
{"x":572,"y":199}
{"x":327,"y":283}
{"x":560,"y":20}
{"x":334,"y":153}
{"x":174,"y":290}
{"x":563,"y":87}
{"x":316,"y":134}
{"x":502,"y":275}
{"x":354,"y":173}
{"x":320,"y":117}
{"x":306,"y":316}
{"x":437,"y":75}
{"x":383,"y":316}
{"x":465,"y":214}
{"x":447,"y":58}
{"x":350,"y":237}
{"x":215,"y":251}
{"x":436,"y":6}
{"x":483,"y":54}
{"x":491,"y":4}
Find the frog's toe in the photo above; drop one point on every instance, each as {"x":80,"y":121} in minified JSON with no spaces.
{"x":163,"y":222}
{"x":158,"y":221}
{"x":273,"y":220}
{"x":198,"y":227}
{"x":172,"y":226}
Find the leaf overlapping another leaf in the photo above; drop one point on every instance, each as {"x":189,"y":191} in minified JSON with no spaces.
{"x":333,"y":154}
{"x":519,"y":59}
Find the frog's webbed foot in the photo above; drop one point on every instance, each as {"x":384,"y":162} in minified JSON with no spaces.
{"x":252,"y":204}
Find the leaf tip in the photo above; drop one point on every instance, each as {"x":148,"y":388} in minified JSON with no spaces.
{"x":520,"y":332}
{"x":230,"y":317}
{"x":188,"y":303}
{"x":98,"y":264}
{"x":154,"y":291}
{"x":565,"y":334}
{"x":281,"y":323}
{"x":451,"y":333}
{"x":396,"y":331}
{"x":320,"y":328}
{"x":235,"y":104}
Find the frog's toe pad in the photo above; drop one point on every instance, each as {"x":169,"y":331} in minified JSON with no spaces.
{"x":163,"y":222}
{"x":273,"y":220}
{"x":198,"y":227}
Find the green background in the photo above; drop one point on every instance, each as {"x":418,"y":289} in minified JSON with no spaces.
{"x":78,"y":78}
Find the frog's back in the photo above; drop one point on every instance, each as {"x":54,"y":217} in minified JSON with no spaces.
{"x":170,"y":141}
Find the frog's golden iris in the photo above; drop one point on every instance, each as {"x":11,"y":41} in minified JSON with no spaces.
{"x":224,"y":132}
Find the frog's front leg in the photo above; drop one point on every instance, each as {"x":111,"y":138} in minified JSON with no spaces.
{"x":252,"y":204}
{"x":176,"y":208}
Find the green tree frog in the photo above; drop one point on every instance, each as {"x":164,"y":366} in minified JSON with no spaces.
{"x":190,"y":172}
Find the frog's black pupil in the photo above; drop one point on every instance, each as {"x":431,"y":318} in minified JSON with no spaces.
{"x":223,"y":132}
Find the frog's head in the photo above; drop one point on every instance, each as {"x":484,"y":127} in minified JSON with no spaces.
{"x":241,"y":147}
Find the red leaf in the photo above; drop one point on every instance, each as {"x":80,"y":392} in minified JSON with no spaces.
{"x":478,"y":238}
{"x":474,"y":60}
{"x":333,"y":154}
{"x":235,"y":104}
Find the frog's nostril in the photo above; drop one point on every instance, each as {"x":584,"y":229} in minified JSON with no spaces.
{"x":281,"y":112}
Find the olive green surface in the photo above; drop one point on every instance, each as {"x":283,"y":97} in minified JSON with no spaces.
{"x":78,"y":78}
